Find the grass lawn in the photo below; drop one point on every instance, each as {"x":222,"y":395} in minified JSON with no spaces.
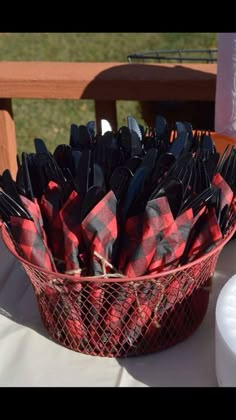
{"x":51,"y":119}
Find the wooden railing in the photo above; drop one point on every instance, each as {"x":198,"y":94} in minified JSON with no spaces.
{"x":103,"y":82}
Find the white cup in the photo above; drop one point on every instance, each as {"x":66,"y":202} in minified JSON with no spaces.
{"x":225,"y":335}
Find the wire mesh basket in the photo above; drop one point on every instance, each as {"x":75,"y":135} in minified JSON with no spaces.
{"x":178,"y":55}
{"x":119,"y":317}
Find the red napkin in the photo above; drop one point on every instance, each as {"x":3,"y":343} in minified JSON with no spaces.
{"x":141,"y":235}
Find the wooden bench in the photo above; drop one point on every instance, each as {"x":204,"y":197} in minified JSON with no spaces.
{"x":103,"y":82}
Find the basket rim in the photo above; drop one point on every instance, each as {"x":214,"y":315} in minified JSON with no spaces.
{"x":75,"y":278}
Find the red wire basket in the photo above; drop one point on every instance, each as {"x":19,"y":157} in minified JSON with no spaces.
{"x":119,"y":317}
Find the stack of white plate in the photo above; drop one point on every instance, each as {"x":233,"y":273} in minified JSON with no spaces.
{"x":225,"y":335}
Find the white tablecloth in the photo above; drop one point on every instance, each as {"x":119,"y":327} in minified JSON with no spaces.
{"x":28,"y":357}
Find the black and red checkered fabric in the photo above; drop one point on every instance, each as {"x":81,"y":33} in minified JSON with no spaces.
{"x":74,"y":322}
{"x":35,"y":212}
{"x":62,"y":223}
{"x":99,"y":231}
{"x":226,"y":192}
{"x":171,"y":245}
{"x":32,"y":233}
{"x":31,"y":242}
{"x":50,"y":205}
{"x":68,"y":297}
{"x":141,"y":235}
{"x":208,"y":236}
{"x":69,"y":217}
{"x":116,"y":313}
{"x":96,"y":304}
{"x":147,"y":297}
{"x":131,"y":307}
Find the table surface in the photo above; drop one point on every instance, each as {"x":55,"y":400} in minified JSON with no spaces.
{"x":28,"y":357}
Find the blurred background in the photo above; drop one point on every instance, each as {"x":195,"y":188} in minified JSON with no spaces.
{"x":51,"y":119}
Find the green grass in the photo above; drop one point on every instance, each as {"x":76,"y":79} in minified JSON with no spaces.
{"x":50,"y":119}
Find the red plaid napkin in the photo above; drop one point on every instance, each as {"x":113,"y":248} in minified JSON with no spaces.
{"x":96,"y":302}
{"x":63,"y":226}
{"x":50,"y":205}
{"x":29,"y":234}
{"x":226,"y":192}
{"x":141,"y":235}
{"x":69,"y":217}
{"x":64,"y":308}
{"x":119,"y":306}
{"x":209,"y":230}
{"x":35,"y":212}
{"x":99,"y":231}
{"x":131,"y":307}
{"x":167,"y":251}
{"x":171,"y":246}
{"x":31,"y":242}
{"x":208,"y":237}
{"x":147,"y":297}
{"x":71,"y":311}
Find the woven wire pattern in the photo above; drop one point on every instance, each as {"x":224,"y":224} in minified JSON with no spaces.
{"x":120,"y":318}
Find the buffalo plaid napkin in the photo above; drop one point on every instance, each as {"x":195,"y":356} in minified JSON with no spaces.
{"x":138,"y":245}
{"x":70,"y":307}
{"x":226,"y":192}
{"x":128,"y":308}
{"x":31,"y":242}
{"x":99,"y":231}
{"x":35,"y":212}
{"x":207,"y":236}
{"x":30,"y":236}
{"x":69,"y":217}
{"x":94,"y":312}
{"x":63,"y":226}
{"x":141,"y":235}
{"x":148,"y":297}
{"x":171,"y":246}
{"x":63,"y":311}
{"x":121,"y":300}
{"x":167,"y":252}
{"x":50,"y":205}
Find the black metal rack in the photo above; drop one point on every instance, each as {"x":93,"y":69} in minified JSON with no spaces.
{"x":178,"y":55}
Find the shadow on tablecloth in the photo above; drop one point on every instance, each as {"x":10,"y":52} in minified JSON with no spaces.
{"x":17,"y":298}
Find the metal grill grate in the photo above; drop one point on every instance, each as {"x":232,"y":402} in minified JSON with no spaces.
{"x":178,"y":55}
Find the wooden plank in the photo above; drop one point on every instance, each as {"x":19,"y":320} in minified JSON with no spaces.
{"x":107,"y":110}
{"x":7,"y":138}
{"x":108,"y":81}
